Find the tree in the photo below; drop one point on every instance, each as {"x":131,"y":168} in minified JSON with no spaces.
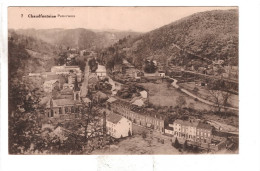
{"x":181,"y":101}
{"x":144,"y":134}
{"x":220,"y":98}
{"x":129,"y":133}
{"x":176,"y":143}
{"x":185,"y":145}
{"x":195,"y":90}
{"x":62,"y":58}
{"x":93,"y":65}
{"x":150,"y":66}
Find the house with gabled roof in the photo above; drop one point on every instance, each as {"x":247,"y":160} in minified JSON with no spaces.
{"x":194,"y":131}
{"x":118,"y":126}
{"x":57,"y":107}
{"x":48,"y":86}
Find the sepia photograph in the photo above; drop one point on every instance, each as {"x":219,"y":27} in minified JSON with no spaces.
{"x":123,"y":80}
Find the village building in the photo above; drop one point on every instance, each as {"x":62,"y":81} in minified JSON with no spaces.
{"x":185,"y":130}
{"x":67,"y":101}
{"x":66,"y":93}
{"x":67,"y":85}
{"x":118,"y":126}
{"x":87,"y":101}
{"x":34,"y":74}
{"x":110,"y":100}
{"x":204,"y":133}
{"x":138,"y":102}
{"x":193,"y":131}
{"x":138,"y":115}
{"x":65,"y":70}
{"x":72,"y":78}
{"x":49,"y":75}
{"x":169,"y":131}
{"x":101,"y":71}
{"x":161,"y":73}
{"x":48,"y":86}
{"x":144,"y":94}
{"x":58,"y":107}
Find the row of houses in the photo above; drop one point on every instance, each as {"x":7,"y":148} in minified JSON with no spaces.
{"x":192,"y":130}
{"x":67,"y":70}
{"x":196,"y":133}
{"x":137,"y":115}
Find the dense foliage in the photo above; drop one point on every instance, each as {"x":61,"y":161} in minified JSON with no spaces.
{"x":207,"y":35}
{"x":150,"y":67}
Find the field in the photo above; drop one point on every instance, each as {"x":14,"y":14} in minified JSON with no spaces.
{"x":161,"y":95}
{"x":204,"y":94}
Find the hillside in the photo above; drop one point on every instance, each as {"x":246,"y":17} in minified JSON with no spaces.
{"x":26,"y":54}
{"x":206,"y":35}
{"x":80,"y":37}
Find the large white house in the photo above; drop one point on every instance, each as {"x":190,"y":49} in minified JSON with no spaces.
{"x":118,"y":126}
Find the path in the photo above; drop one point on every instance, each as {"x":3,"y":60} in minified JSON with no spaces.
{"x":84,"y":87}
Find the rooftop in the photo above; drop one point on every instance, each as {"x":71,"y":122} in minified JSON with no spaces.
{"x":114,"y":118}
{"x":63,"y":102}
{"x":140,"y":110}
{"x":111,"y":99}
{"x":204,"y":126}
{"x":67,"y":91}
{"x":187,"y":123}
{"x":101,"y":68}
{"x":86,"y":100}
{"x":51,"y":81}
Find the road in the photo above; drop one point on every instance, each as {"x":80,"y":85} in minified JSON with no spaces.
{"x":174,"y":84}
{"x":84,"y":88}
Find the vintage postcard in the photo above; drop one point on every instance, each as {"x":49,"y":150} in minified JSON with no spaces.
{"x":123,"y":80}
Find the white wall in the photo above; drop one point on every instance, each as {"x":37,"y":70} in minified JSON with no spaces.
{"x":123,"y":127}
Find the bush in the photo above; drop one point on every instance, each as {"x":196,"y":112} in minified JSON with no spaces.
{"x":185,"y":146}
{"x":144,"y":134}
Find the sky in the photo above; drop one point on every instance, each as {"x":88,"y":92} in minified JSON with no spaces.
{"x":139,"y":19}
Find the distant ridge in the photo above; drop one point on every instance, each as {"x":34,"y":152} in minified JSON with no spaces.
{"x":80,"y":37}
